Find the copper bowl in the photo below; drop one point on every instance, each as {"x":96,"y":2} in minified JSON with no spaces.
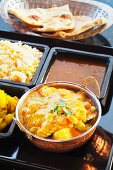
{"x":60,"y":145}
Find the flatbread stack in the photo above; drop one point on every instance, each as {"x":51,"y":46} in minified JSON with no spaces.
{"x":56,"y":22}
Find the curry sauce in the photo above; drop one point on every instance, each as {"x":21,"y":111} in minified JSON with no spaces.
{"x":75,"y":70}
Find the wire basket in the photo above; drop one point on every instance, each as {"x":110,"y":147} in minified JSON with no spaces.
{"x":89,"y":8}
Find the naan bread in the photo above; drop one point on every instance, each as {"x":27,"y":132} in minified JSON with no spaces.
{"x":82,"y":24}
{"x":46,"y":20}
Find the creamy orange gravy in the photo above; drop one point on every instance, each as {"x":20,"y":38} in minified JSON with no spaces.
{"x":76,"y":70}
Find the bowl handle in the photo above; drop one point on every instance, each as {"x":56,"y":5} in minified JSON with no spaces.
{"x":92,"y":80}
{"x":22,"y":128}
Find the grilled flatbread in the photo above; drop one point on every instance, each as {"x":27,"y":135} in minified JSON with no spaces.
{"x":82,"y":24}
{"x":46,"y":20}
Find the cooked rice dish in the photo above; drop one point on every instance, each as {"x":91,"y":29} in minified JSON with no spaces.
{"x":18,"y":61}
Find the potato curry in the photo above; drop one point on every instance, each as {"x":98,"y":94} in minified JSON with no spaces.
{"x":57,"y":113}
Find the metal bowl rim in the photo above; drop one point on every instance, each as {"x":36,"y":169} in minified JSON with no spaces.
{"x":75,"y":85}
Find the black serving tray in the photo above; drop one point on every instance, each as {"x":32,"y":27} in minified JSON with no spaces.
{"x":18,"y":152}
{"x":43,"y":48}
{"x":77,"y":55}
{"x":12,"y":90}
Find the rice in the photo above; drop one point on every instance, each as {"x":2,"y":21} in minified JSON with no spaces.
{"x":18,"y":61}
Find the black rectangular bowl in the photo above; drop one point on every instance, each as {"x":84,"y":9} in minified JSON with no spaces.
{"x":65,"y":53}
{"x":42,"y":48}
{"x":12,"y":90}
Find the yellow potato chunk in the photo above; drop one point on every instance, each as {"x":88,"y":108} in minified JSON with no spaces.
{"x":81,"y":126}
{"x":3,"y":102}
{"x":12,"y":102}
{"x":1,"y":119}
{"x":3,"y":113}
{"x":46,"y":91}
{"x":63,"y":134}
{"x":8,"y":118}
{"x":64,"y":92}
{"x":72,"y":119}
{"x":3,"y":125}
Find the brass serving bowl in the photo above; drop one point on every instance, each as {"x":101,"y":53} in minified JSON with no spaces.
{"x":60,"y":145}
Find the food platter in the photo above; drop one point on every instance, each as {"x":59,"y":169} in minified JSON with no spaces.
{"x":19,"y":152}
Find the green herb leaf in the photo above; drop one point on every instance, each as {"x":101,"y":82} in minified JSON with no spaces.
{"x":65,"y":109}
{"x":62,"y":103}
{"x":55,"y":110}
{"x":70,"y":112}
{"x":51,"y":107}
{"x":38,"y":99}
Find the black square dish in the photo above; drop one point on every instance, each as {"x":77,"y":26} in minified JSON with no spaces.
{"x":65,"y":64}
{"x":12,"y":90}
{"x":44,"y":49}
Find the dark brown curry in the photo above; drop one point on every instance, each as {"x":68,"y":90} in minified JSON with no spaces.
{"x":69,"y":69}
